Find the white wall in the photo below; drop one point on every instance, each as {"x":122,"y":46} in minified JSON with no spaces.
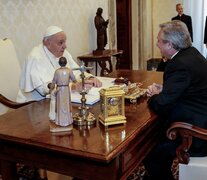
{"x":24,"y":21}
{"x":146,"y":17}
{"x":163,"y":11}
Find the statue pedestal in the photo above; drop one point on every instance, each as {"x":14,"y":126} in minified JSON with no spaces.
{"x":55,"y":128}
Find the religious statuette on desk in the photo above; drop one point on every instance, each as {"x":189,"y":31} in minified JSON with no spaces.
{"x":60,"y":104}
{"x":112,"y":106}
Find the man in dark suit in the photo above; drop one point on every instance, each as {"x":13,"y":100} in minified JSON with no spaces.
{"x":163,"y":63}
{"x":182,"y":97}
{"x":184,"y":18}
{"x":205,"y":34}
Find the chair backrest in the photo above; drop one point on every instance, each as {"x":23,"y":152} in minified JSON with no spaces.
{"x":9,"y":72}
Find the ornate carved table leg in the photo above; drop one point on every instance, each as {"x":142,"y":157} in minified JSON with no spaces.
{"x":102,"y":64}
{"x":110,"y":66}
{"x":118,"y":61}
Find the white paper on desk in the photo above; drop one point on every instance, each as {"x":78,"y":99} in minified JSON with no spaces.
{"x":93,"y":95}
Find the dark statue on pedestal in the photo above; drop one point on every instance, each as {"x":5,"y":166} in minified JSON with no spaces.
{"x":101,"y":26}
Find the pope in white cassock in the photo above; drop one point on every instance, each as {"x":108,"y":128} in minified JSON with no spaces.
{"x":39,"y":68}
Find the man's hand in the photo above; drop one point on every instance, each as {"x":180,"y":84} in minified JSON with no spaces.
{"x":154,"y":89}
{"x":95,"y":82}
{"x":78,"y":86}
{"x":89,"y":83}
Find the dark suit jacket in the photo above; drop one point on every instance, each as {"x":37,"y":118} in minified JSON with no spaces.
{"x":184,"y":95}
{"x":161,"y":66}
{"x":187,"y":20}
{"x":205,"y":33}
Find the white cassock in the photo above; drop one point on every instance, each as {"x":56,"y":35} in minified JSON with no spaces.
{"x":38,"y":70}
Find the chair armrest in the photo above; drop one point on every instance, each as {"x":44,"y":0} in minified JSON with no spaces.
{"x":186,"y":131}
{"x":12,"y":104}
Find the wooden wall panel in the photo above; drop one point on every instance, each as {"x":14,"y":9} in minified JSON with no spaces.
{"x":124,"y":32}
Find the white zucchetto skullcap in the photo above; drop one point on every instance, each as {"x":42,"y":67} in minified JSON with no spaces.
{"x":51,"y":30}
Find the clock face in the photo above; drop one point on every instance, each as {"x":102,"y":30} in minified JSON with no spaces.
{"x":114,"y":106}
{"x":113,"y":101}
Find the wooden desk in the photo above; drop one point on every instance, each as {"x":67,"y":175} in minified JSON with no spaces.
{"x":86,"y":152}
{"x":101,"y":59}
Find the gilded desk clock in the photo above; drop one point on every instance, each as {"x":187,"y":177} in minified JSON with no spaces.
{"x":112,"y":106}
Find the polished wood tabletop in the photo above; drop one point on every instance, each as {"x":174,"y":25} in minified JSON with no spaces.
{"x":87,"y":152}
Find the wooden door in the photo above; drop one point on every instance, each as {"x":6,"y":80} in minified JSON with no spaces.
{"x":124,"y":32}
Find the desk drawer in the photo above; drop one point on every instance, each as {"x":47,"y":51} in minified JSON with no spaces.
{"x":140,"y":147}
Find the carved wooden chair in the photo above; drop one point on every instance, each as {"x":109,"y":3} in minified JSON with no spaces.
{"x":9,"y":78}
{"x":185,"y":167}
